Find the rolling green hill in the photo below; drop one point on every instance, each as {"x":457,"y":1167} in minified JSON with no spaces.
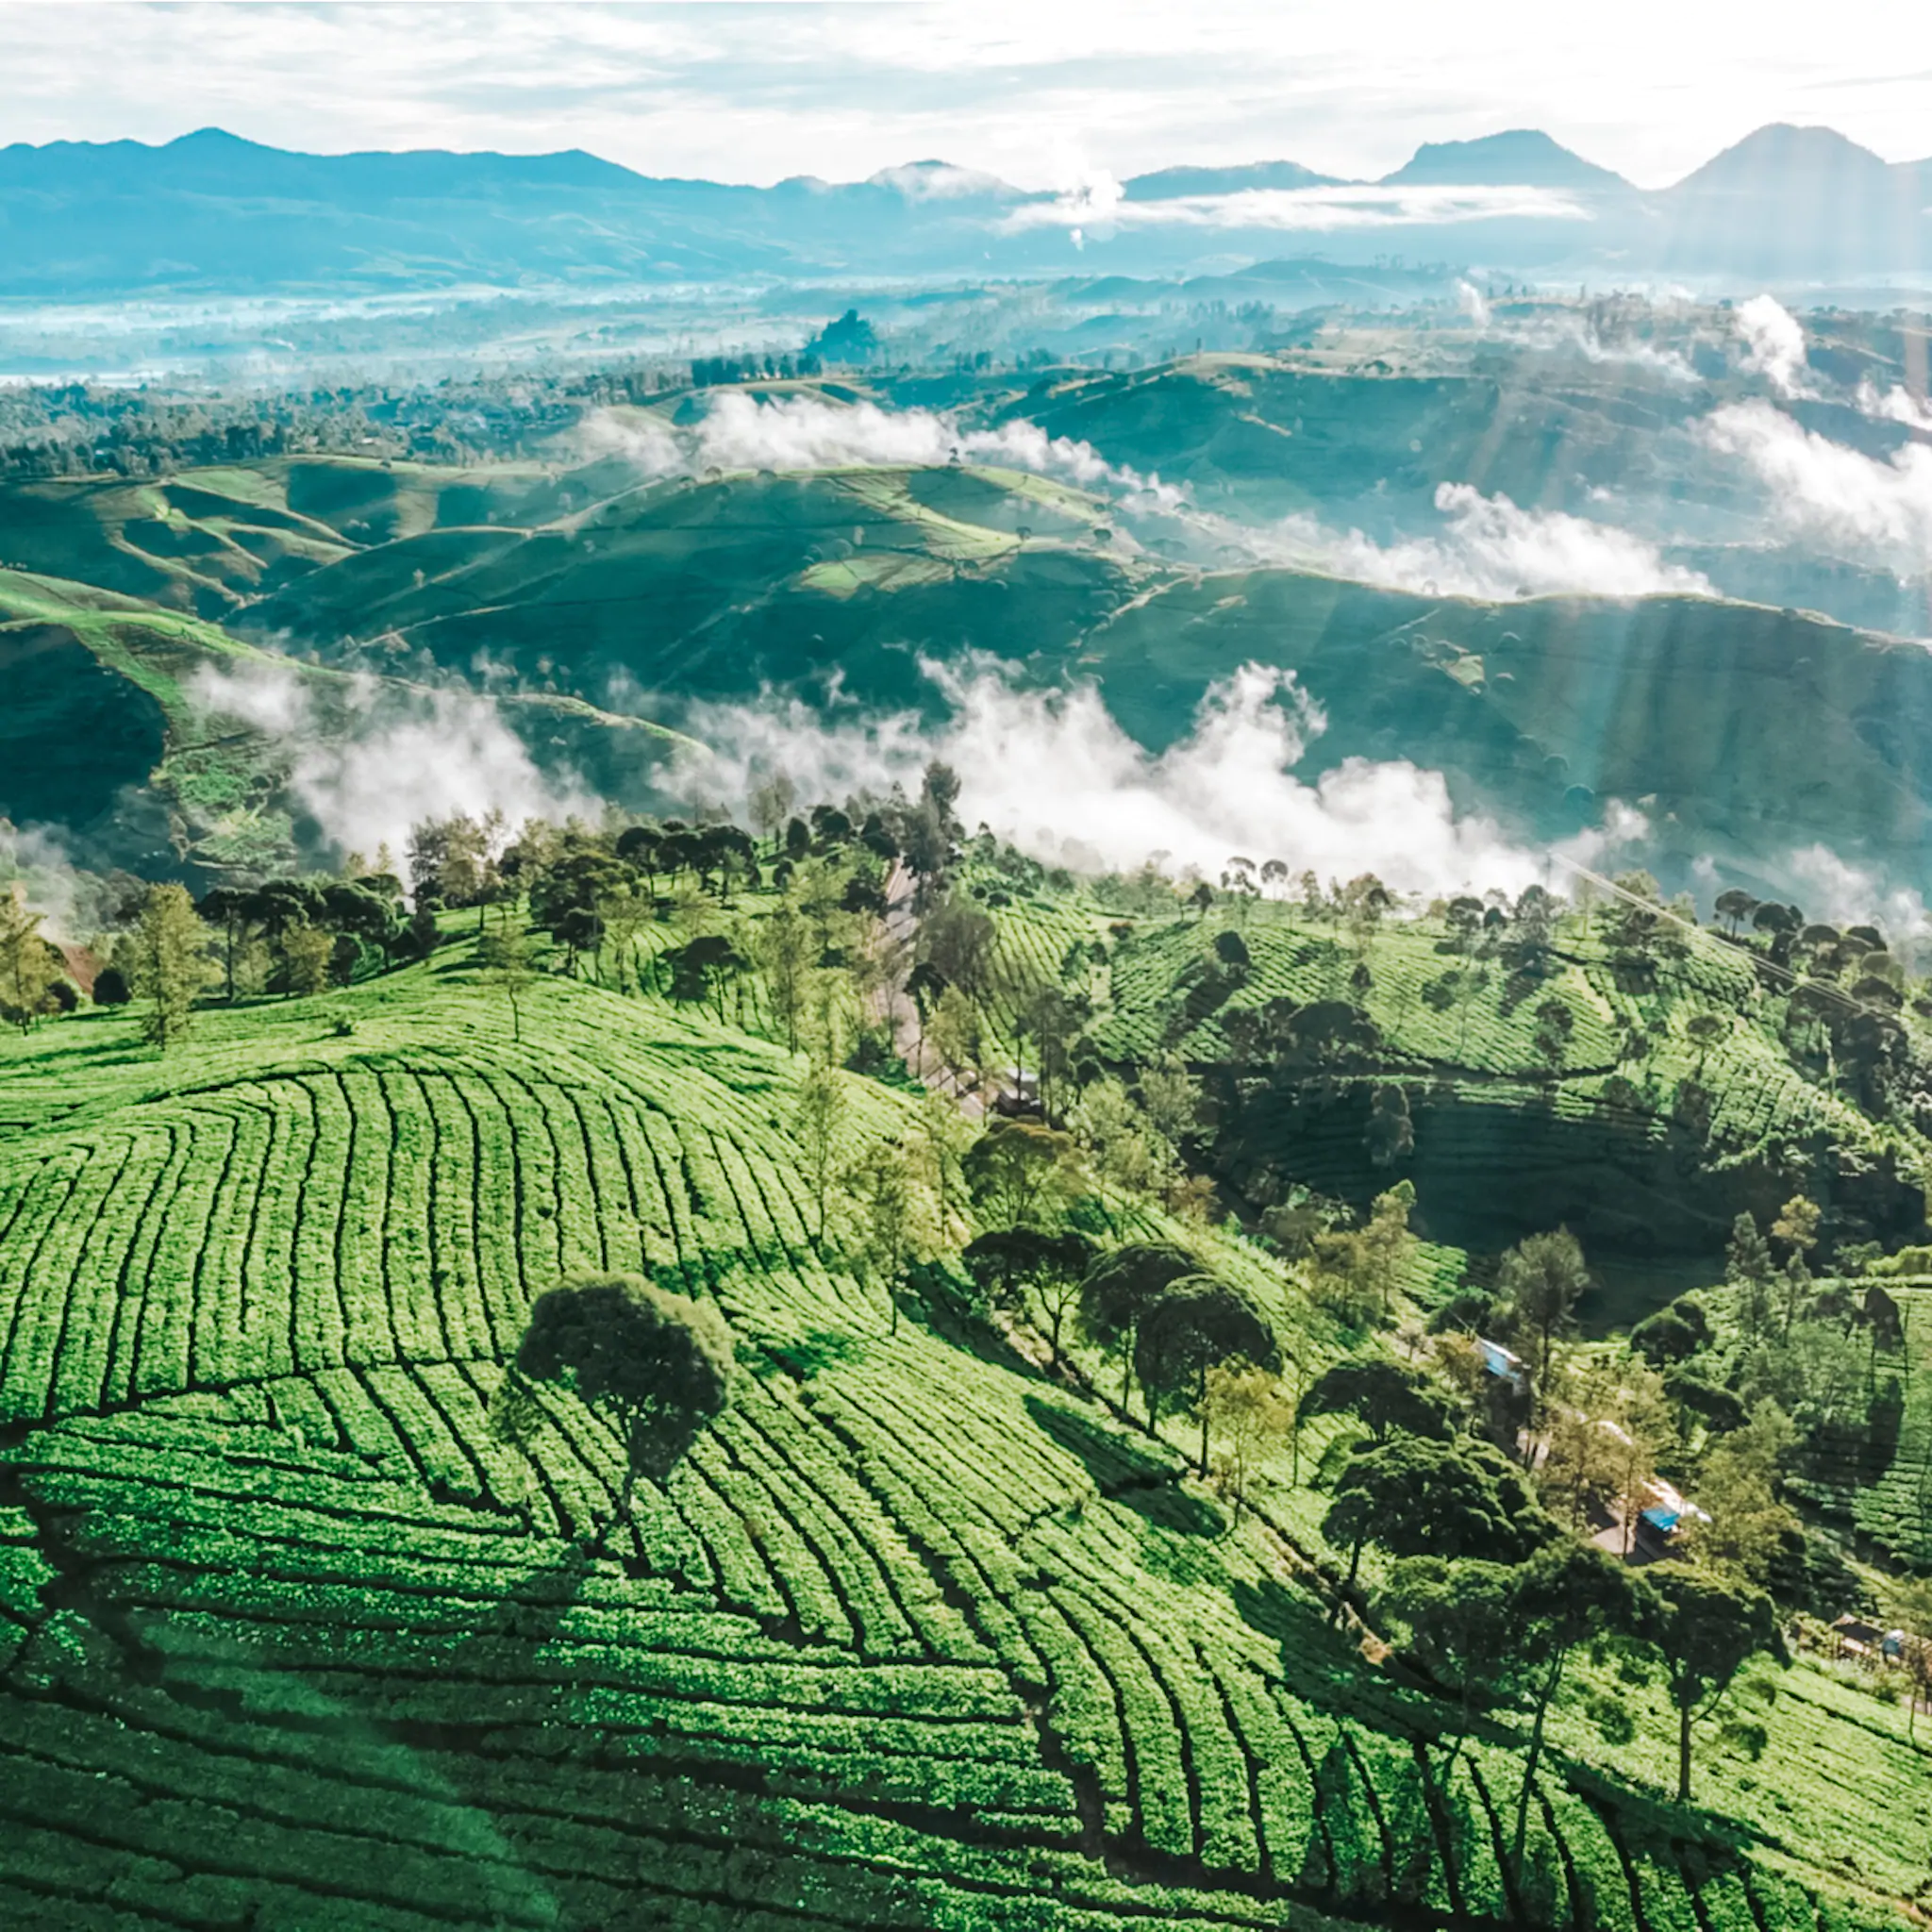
{"x":1742,"y":733}
{"x":916,"y":1637}
{"x":105,"y":738}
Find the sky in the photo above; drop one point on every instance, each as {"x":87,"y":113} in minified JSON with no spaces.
{"x":1046,"y":94}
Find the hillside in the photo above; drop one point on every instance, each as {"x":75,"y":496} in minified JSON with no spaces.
{"x":594,"y":587}
{"x":917,"y":1636}
{"x":109,"y":736}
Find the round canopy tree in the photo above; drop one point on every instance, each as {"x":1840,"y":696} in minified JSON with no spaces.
{"x":658,"y":1363}
{"x":1198,"y":1323}
{"x":1121,"y":1289}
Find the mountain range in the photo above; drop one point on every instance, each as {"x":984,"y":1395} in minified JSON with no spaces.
{"x":211,"y":212}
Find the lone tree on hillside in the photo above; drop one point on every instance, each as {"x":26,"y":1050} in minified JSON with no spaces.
{"x":1199,"y":1323}
{"x":658,"y":1364}
{"x":1706,"y":1630}
{"x":1022,"y":1171}
{"x":28,"y":965}
{"x":1052,"y":1265}
{"x":169,"y":963}
{"x":505,"y":957}
{"x":1120,"y":1291}
{"x":1415,"y":1497}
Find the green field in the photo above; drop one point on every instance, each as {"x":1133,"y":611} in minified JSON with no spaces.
{"x":915,"y":1637}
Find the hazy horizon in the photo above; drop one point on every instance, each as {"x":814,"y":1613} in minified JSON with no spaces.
{"x":1051,"y":97}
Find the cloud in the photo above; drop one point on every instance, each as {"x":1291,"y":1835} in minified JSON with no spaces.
{"x":808,"y":432}
{"x":1773,"y":345}
{"x":395,"y":754}
{"x":37,"y":866}
{"x":1489,"y":548}
{"x":1053,"y":772}
{"x":1828,"y":494}
{"x":1099,"y":203}
{"x":1831,"y":888}
{"x":1897,"y":405}
{"x":1473,"y":303}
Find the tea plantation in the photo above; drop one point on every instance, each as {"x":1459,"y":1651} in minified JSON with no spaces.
{"x":916,"y":1636}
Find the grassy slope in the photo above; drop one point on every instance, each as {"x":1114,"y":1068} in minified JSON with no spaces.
{"x":85,"y":745}
{"x":913,"y":1638}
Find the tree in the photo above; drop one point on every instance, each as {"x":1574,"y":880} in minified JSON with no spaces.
{"x":170,"y":964}
{"x":781,"y":945}
{"x":1120,"y":1290}
{"x":1733,"y":908}
{"x":1797,"y":1227}
{"x":1540,"y":1281}
{"x":306,"y":951}
{"x":1389,"y":1135}
{"x":956,"y":1038}
{"x":894,"y":1220}
{"x":505,"y":957}
{"x":1385,"y":1396}
{"x":821,"y":1120}
{"x":1412,"y":1497}
{"x":1022,"y":1171}
{"x":1463,"y":1626}
{"x":1053,"y":1265}
{"x":28,"y":966}
{"x":771,"y":803}
{"x":1198,"y":1322}
{"x":1244,"y":1405}
{"x":1567,"y":1596}
{"x":658,"y":1363}
{"x":1170,"y":1098}
{"x":1704,"y":1629}
{"x":1909,"y":1605}
{"x":1749,"y":1269}
{"x":1744,"y":1525}
{"x":956,"y":939}
{"x":111,"y":988}
{"x":1358,"y":1272}
{"x":1555,"y":1022}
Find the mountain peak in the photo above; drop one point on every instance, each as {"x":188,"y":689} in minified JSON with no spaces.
{"x":1781,"y":158}
{"x":1519,"y":158}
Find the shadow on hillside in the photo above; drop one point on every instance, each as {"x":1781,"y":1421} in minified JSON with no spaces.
{"x":823,"y":1348}
{"x":1142,"y":1477}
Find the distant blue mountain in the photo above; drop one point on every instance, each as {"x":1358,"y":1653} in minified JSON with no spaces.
{"x":1524,"y":158}
{"x":212,"y":212}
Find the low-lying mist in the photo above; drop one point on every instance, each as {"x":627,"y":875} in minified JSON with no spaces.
{"x":369,"y":760}
{"x":1052,"y":772}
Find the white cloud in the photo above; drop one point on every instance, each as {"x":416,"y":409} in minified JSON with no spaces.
{"x":1831,"y":494}
{"x":400,"y":755}
{"x":1097,"y":207}
{"x":1897,"y":405}
{"x":1473,"y":303}
{"x":1773,"y":345}
{"x":1488,"y":548}
{"x":808,"y":432}
{"x":1052,"y":772}
{"x":1833,"y":888}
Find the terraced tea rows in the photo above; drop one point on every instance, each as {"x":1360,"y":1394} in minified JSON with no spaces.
{"x":913,"y":1637}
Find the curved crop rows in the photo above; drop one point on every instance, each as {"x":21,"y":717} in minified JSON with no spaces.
{"x":913,"y":1637}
